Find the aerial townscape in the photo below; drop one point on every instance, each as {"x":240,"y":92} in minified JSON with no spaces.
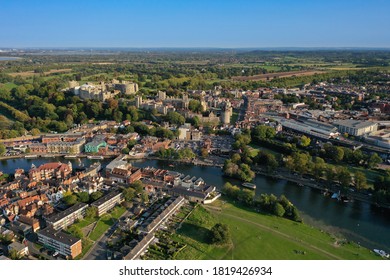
{"x":114,"y":153}
{"x":105,"y":160}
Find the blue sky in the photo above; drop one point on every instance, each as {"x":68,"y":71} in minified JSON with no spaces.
{"x":181,"y":23}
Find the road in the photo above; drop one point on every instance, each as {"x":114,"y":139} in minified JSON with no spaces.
{"x":98,"y":250}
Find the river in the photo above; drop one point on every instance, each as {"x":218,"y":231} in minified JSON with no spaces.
{"x":356,"y":221}
{"x":5,"y":58}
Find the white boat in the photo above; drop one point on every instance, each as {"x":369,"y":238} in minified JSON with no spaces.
{"x":70,"y":156}
{"x":47,"y":156}
{"x":249,"y":186}
{"x":31,"y":156}
{"x":95,"y":157}
{"x":382,"y":253}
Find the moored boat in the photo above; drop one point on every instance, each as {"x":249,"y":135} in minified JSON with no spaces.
{"x":31,"y":156}
{"x":95,"y":157}
{"x":70,"y":156}
{"x":249,"y":186}
{"x":47,"y":156}
{"x":382,"y":253}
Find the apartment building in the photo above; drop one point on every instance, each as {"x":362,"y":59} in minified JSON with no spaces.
{"x":68,"y":217}
{"x":64,"y":244}
{"x":63,"y":147}
{"x":52,"y":170}
{"x":107,"y":202}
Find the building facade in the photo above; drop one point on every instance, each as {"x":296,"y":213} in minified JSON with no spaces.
{"x":65,"y":244}
{"x":107,"y":202}
{"x":67,"y":217}
{"x":53,"y":170}
{"x":74,"y":147}
{"x":355,"y":127}
{"x":95,"y":146}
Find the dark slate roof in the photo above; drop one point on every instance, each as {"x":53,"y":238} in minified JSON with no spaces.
{"x":105,"y":198}
{"x":59,"y":216}
{"x":59,"y":236}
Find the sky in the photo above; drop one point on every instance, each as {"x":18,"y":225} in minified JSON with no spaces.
{"x":195,"y":23}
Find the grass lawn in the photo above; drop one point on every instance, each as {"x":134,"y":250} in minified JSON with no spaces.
{"x":371,"y":175}
{"x":87,"y":244}
{"x":257,"y":147}
{"x":105,"y":222}
{"x":85,"y":222}
{"x":259,"y":236}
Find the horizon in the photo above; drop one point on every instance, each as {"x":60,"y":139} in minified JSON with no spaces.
{"x":281,"y":48}
{"x":195,"y":24}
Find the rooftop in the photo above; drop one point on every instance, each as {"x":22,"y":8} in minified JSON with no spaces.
{"x":354,"y":123}
{"x":17,"y":246}
{"x":59,"y":236}
{"x":59,"y":216}
{"x":106,"y":198}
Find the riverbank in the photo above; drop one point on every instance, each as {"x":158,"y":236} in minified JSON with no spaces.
{"x":317,"y":185}
{"x":196,"y":162}
{"x":48,"y":156}
{"x":357,"y":221}
{"x":260,"y":236}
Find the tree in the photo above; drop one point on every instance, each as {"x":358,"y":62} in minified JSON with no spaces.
{"x":145,"y":197}
{"x":219,"y":234}
{"x":374,"y":160}
{"x":194,"y":106}
{"x":360,"y":180}
{"x":305,"y":141}
{"x":338,"y":154}
{"x":83,"y":197}
{"x":70,"y":200}
{"x":230,"y":190}
{"x":128,"y":194}
{"x":246,"y":196}
{"x":91,"y":212}
{"x":175,"y":118}
{"x":301,"y":162}
{"x":6,"y":239}
{"x":278,"y":209}
{"x":319,"y":167}
{"x":263,"y":132}
{"x":230,"y":168}
{"x":330,"y":174}
{"x":35,"y":132}
{"x":14,"y":255}
{"x":186,"y":153}
{"x":138,"y":186}
{"x":245,"y":173}
{"x":204,"y":152}
{"x":96,"y":195}
{"x":343,"y":176}
{"x":334,"y":153}
{"x":236,"y":158}
{"x":2,"y":149}
{"x":76,"y":231}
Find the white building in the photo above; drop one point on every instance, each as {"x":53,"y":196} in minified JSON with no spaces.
{"x":356,"y":127}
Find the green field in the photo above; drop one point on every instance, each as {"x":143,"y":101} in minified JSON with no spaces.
{"x":105,"y":222}
{"x":259,"y":236}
